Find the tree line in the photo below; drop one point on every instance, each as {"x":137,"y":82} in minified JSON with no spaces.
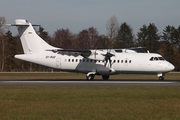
{"x":166,"y":43}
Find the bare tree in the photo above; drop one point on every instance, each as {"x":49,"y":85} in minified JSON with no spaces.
{"x":2,"y":42}
{"x":112,"y":26}
{"x":2,"y":27}
{"x":88,"y":39}
{"x":62,"y":38}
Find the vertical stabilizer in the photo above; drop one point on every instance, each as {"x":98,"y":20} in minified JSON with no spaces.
{"x":30,"y":41}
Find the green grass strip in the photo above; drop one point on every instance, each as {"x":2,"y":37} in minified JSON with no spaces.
{"x":89,"y":103}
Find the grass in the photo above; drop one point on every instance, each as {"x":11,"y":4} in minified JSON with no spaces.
{"x":98,"y":103}
{"x":75,"y":76}
{"x":93,"y":103}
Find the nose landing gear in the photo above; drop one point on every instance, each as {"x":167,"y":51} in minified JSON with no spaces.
{"x":161,"y":76}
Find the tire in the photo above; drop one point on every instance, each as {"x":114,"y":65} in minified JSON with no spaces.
{"x":161,"y":78}
{"x":90,"y":77}
{"x":105,"y":77}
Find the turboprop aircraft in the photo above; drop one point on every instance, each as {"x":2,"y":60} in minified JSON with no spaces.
{"x":91,"y":62}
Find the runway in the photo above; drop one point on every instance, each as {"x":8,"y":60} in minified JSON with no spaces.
{"x":151,"y":83}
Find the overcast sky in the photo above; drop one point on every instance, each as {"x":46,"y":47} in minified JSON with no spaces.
{"x":77,"y":15}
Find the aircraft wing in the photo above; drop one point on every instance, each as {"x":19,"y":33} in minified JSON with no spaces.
{"x":99,"y":54}
{"x":89,"y":54}
{"x":132,"y":50}
{"x":73,"y":52}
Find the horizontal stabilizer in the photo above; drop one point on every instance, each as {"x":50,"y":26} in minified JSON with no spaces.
{"x":21,"y":22}
{"x":17,"y":25}
{"x":21,"y":25}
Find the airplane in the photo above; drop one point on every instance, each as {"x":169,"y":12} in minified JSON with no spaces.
{"x":90,"y":62}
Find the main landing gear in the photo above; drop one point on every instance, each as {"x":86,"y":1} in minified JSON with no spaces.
{"x":105,"y":77}
{"x":91,"y":77}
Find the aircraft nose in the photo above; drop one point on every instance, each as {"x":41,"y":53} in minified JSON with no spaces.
{"x":170,"y":67}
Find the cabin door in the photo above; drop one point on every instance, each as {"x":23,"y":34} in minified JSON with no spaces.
{"x":58,"y":63}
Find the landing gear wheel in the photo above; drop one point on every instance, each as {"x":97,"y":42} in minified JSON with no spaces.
{"x":105,"y":77}
{"x":90,"y":77}
{"x":161,"y":78}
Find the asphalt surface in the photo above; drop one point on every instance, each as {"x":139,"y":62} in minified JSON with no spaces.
{"x":37,"y":82}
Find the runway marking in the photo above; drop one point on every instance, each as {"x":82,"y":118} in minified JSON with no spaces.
{"x":88,"y":83}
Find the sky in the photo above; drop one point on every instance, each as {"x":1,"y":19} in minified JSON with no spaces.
{"x":77,"y":15}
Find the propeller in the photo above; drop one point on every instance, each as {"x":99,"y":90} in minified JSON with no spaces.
{"x":107,"y":58}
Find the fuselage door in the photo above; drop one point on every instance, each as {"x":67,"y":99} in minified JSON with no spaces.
{"x":58,"y":63}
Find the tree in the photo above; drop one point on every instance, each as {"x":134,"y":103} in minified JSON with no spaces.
{"x":2,"y":27}
{"x":2,"y":51}
{"x":103,"y":42}
{"x":2,"y":42}
{"x":44,"y":35}
{"x":142,"y":36}
{"x":171,"y":36}
{"x":10,"y":51}
{"x":175,"y":35}
{"x":125,"y":36}
{"x":62,"y":38}
{"x":88,"y":39}
{"x":112,"y":26}
{"x":19,"y":64}
{"x":149,"y":37}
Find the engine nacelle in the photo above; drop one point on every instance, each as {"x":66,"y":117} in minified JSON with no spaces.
{"x":105,"y":71}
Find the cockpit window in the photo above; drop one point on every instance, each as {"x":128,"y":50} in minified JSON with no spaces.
{"x":156,"y":59}
{"x":152,"y":58}
{"x":161,"y":58}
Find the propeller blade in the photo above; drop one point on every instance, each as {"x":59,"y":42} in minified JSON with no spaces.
{"x":107,"y":58}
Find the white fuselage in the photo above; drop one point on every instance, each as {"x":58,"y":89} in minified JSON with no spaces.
{"x":121,"y":63}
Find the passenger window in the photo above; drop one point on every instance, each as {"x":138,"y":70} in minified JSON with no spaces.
{"x":69,"y":60}
{"x":129,"y":61}
{"x":125,"y":61}
{"x":118,"y":61}
{"x":121,"y":61}
{"x":114,"y":61}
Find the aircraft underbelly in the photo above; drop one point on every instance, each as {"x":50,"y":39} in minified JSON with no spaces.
{"x":97,"y":68}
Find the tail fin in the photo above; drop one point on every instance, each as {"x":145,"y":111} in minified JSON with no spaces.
{"x":30,"y":41}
